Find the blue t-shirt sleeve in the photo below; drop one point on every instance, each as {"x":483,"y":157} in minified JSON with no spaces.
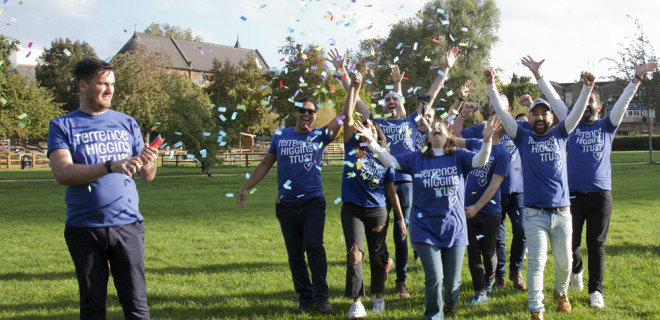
{"x":609,"y":127}
{"x":56,"y":138}
{"x":406,"y":162}
{"x":389,"y":175}
{"x":475,"y":132}
{"x":472,"y":144}
{"x":273,"y":143}
{"x":561,"y":127}
{"x":519,"y":134}
{"x":502,"y":161}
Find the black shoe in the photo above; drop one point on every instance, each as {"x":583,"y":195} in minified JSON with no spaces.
{"x":449,"y":312}
{"x":304,"y":308}
{"x":324,"y":307}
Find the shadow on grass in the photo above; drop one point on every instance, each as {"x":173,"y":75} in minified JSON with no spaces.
{"x":242,"y":267}
{"x":628,"y":249}
{"x":38,"y":276}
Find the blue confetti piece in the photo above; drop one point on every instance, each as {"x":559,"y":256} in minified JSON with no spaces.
{"x":177,"y":133}
{"x":279,"y":226}
{"x":206,"y":134}
{"x":178,"y":144}
{"x":442,"y":11}
{"x":230,"y":195}
{"x":243,"y":18}
{"x":440,"y":72}
{"x":480,"y":236}
{"x":419,"y":215}
{"x":222,"y":109}
{"x":338,"y":200}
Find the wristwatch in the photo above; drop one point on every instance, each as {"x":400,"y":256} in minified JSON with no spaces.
{"x":108,"y":166}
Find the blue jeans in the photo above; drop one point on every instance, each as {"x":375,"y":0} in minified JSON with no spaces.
{"x":512,"y":204}
{"x":442,"y":268}
{"x":302,"y":226}
{"x":404,"y":191}
{"x":122,"y":247}
{"x":539,"y":225}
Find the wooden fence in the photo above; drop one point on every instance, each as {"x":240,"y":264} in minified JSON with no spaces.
{"x":11,"y":160}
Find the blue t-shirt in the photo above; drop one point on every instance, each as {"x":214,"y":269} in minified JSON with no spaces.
{"x":479,"y":178}
{"x":513,"y":182}
{"x":299,"y":157}
{"x":400,"y":135}
{"x":111,"y":200}
{"x":544,"y":166}
{"x":364,"y":179}
{"x":589,"y":148}
{"x":438,"y":216}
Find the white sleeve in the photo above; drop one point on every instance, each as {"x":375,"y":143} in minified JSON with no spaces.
{"x":578,"y":109}
{"x":621,"y":105}
{"x":508,"y":122}
{"x":385,"y":157}
{"x":556,"y":103}
{"x":482,"y":156}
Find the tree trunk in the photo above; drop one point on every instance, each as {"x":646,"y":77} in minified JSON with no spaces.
{"x":649,"y":119}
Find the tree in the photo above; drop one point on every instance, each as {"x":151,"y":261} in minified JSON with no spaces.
{"x":140,"y":78}
{"x":25,"y":109}
{"x":639,"y":50}
{"x":165,"y":30}
{"x":244,"y":89}
{"x":515,"y":90}
{"x":191,"y":121}
{"x":56,"y":72}
{"x":305,"y":74}
{"x":418,"y":45}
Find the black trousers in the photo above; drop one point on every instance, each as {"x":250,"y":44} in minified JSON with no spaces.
{"x":483,"y":229}
{"x":122,"y":247}
{"x":594,"y":208}
{"x":358,"y":222}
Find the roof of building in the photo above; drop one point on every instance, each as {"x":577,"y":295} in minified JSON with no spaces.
{"x":27,"y":71}
{"x":192,"y":55}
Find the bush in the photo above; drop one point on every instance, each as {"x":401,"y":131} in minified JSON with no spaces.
{"x":634,"y":143}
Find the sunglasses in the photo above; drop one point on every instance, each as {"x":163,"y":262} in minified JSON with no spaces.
{"x":308,"y":111}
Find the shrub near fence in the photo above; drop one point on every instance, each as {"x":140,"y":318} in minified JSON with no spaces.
{"x":635,"y":143}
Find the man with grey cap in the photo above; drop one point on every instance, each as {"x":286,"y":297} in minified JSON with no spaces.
{"x":545,"y":183}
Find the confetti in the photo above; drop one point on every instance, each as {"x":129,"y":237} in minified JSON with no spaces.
{"x":178,"y":144}
{"x":419,"y":215}
{"x":338,"y":200}
{"x":233,"y":115}
{"x":415,"y":46}
{"x":464,"y":29}
{"x":230,"y":195}
{"x":480,"y":236}
{"x":287,"y":185}
{"x":21,"y":124}
{"x":253,"y":190}
{"x":206,"y":134}
{"x":240,"y":107}
{"x":22,"y":116}
{"x":243,"y":18}
{"x":222,"y":109}
{"x":67,"y":52}
{"x":222,"y":117}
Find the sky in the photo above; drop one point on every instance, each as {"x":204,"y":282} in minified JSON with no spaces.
{"x":572,"y":35}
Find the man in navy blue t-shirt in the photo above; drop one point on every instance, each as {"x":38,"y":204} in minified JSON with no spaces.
{"x":589,"y":175}
{"x":300,"y":204}
{"x":95,"y":151}
{"x":547,"y":212}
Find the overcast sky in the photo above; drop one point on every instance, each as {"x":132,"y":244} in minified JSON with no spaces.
{"x":572,"y":35}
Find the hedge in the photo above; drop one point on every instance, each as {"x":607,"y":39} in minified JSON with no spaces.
{"x":635,"y":143}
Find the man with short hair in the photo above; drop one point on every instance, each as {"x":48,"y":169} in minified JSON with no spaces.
{"x":546,"y":213}
{"x":95,"y":151}
{"x":589,"y":175}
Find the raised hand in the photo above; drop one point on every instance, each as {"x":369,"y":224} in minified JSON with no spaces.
{"x":364,"y":131}
{"x":337,"y":61}
{"x":491,"y":127}
{"x":589,"y":79}
{"x":356,"y":80}
{"x":451,"y":56}
{"x":395,"y":74}
{"x":534,"y":66}
{"x":641,"y":70}
{"x":489,"y":76}
{"x":466,"y":89}
{"x":525,"y":100}
{"x":468,"y":107}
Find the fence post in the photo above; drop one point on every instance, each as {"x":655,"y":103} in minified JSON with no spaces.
{"x":246,"y":160}
{"x":33,"y":160}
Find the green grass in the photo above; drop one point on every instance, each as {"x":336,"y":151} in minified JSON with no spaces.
{"x":634,"y":156}
{"x":208,"y":259}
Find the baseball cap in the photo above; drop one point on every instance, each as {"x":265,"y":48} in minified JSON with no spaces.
{"x":539,"y":102}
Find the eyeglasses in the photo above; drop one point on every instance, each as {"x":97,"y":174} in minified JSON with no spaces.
{"x":308,"y":111}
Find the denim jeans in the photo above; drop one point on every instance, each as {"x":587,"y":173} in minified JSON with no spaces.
{"x":539,"y":225}
{"x":358,"y":222}
{"x":512,"y":204}
{"x":302,"y":226}
{"x":596,"y":209}
{"x":122,"y":247}
{"x":482,"y":234}
{"x":404,"y":191}
{"x":442,"y":268}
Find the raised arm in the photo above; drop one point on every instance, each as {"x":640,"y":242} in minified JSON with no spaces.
{"x":481,"y":158}
{"x":397,"y":77}
{"x":508,"y":122}
{"x":450,"y":59}
{"x":578,"y":109}
{"x":259,"y":173}
{"x":619,"y":109}
{"x":339,"y":63}
{"x":349,"y":106}
{"x":383,"y":155}
{"x":556,"y":103}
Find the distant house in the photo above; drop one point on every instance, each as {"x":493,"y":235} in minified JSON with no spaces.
{"x":191,"y":58}
{"x":634,"y":120}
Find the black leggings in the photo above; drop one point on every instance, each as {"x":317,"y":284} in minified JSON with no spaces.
{"x":482,"y":239}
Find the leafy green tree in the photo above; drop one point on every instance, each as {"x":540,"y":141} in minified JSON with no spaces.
{"x":639,"y":50}
{"x":56,"y":72}
{"x":244,"y":90}
{"x":140,"y":90}
{"x":418,"y":46}
{"x":305,"y":75}
{"x":25,"y":109}
{"x":515,"y":90}
{"x":191,"y":121}
{"x":166,"y":30}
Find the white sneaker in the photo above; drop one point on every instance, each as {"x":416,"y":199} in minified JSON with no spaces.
{"x":596,"y":299}
{"x":576,"y":281}
{"x":379,"y":306}
{"x":357,"y":311}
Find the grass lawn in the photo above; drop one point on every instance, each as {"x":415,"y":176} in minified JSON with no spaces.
{"x":208,"y":259}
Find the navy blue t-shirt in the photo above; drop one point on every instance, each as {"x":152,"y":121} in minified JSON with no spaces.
{"x":589,"y":148}
{"x":364,"y":179}
{"x":479,"y":179}
{"x":399,"y":134}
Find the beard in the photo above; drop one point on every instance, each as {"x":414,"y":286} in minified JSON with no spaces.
{"x":543,"y":130}
{"x":589,"y":118}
